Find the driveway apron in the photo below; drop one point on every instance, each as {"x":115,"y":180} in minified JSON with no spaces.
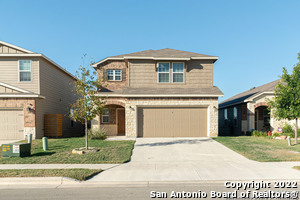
{"x":192,"y":159}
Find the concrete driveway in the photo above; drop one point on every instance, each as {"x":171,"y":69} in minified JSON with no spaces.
{"x":192,"y":159}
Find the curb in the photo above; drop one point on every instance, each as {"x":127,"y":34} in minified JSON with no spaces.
{"x":64,"y":182}
{"x":37,"y":181}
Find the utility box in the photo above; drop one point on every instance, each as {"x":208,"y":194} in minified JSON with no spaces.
{"x":16,"y":150}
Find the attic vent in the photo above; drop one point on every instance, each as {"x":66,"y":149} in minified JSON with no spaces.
{"x":253,"y":88}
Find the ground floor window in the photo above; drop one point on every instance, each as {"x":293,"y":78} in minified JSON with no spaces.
{"x":105,"y":115}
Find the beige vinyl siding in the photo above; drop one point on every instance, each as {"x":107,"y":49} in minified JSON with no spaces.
{"x":57,"y":87}
{"x":8,"y":50}
{"x":9,"y":73}
{"x":7,"y":90}
{"x":197,"y":74}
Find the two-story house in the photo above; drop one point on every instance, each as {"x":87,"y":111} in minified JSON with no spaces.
{"x":32,"y":85}
{"x":159,"y":93}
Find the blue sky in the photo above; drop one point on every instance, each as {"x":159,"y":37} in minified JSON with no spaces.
{"x":253,"y":39}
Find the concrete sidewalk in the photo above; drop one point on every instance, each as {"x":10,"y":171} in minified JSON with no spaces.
{"x":58,"y":166}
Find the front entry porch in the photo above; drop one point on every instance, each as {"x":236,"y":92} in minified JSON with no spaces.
{"x":113,"y":120}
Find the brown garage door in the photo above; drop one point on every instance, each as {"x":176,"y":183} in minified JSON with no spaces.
{"x":12,"y":124}
{"x":172,"y":122}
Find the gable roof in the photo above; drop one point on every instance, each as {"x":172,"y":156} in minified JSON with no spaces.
{"x":26,"y":53}
{"x":13,"y":47}
{"x":161,"y":54}
{"x":250,"y":94}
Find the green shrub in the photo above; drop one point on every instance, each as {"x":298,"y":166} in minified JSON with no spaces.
{"x":287,"y":128}
{"x":248,"y":133}
{"x":97,"y":133}
{"x":259,"y":133}
{"x":292,"y":134}
{"x":276,"y":134}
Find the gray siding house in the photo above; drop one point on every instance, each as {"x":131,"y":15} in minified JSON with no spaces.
{"x":32,"y":85}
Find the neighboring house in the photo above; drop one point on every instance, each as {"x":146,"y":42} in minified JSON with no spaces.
{"x":159,"y":93}
{"x":248,"y":111}
{"x":32,"y":85}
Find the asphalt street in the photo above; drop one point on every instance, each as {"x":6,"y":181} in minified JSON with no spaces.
{"x":126,"y":192}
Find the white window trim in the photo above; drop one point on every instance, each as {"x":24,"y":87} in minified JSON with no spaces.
{"x":24,"y":71}
{"x":163,"y":72}
{"x":178,"y":72}
{"x":105,"y":116}
{"x":114,"y":74}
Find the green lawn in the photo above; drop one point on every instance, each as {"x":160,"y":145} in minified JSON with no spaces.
{"x":262,"y":149}
{"x":78,"y":174}
{"x":60,"y":151}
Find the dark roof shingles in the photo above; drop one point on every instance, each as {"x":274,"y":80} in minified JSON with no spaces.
{"x":239,"y":98}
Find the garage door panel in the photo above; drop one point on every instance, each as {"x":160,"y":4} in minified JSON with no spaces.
{"x":12,"y":124}
{"x":172,"y":122}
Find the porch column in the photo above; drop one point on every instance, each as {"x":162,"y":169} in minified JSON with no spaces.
{"x":250,"y":116}
{"x":95,"y":123}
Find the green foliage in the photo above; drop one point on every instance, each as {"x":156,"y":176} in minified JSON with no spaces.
{"x":276,"y":134}
{"x":97,"y":134}
{"x":291,"y":134}
{"x":259,"y":133}
{"x":87,"y":106}
{"x":248,"y":133}
{"x":286,"y":102}
{"x":287,"y":128}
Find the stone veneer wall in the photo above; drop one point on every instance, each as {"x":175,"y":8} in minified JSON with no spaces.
{"x":133,"y":103}
{"x":29,"y":116}
{"x":261,"y":101}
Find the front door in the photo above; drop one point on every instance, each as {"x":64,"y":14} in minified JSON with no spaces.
{"x":121,"y":121}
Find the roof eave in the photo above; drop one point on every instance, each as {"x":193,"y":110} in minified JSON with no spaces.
{"x":249,"y":99}
{"x":156,"y":58}
{"x":22,"y":96}
{"x":159,"y":95}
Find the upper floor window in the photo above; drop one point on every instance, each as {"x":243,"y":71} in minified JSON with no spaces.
{"x":178,"y":72}
{"x":105,"y":115}
{"x":25,"y":70}
{"x":114,"y":75}
{"x":164,"y":72}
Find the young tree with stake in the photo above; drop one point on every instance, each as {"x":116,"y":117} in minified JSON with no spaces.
{"x":87,"y":106}
{"x":286,"y":103}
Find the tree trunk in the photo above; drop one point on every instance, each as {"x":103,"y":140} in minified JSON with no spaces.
{"x":86,"y":136}
{"x":296,"y":131}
